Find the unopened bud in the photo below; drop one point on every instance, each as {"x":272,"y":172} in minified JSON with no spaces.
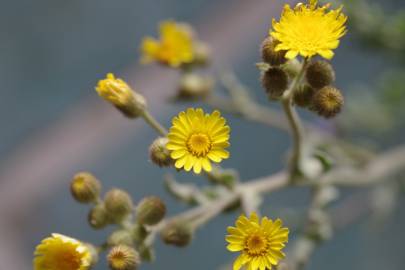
{"x":85,"y":188}
{"x":195,"y":86}
{"x":327,"y":102}
{"x":177,"y":233}
{"x":320,"y":74}
{"x":150,"y":211}
{"x":202,"y":54}
{"x":120,"y":237}
{"x":123,"y":257}
{"x":118,"y":204}
{"x":270,"y":55}
{"x":120,"y":94}
{"x":98,"y":217}
{"x":159,"y":154}
{"x":139,"y":233}
{"x":275,"y":82}
{"x":303,"y":96}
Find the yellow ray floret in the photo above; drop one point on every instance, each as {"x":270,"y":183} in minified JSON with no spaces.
{"x":60,"y":252}
{"x":196,"y":139}
{"x":175,"y":46}
{"x":260,"y":242}
{"x":309,"y":29}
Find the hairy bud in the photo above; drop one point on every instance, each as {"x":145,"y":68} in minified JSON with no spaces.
{"x":177,"y":233}
{"x":202,"y":54}
{"x":159,"y":154}
{"x":118,"y":204}
{"x":123,"y":257}
{"x":120,"y":237}
{"x":85,"y":188}
{"x":150,"y":211}
{"x":98,"y":217}
{"x":320,"y":74}
{"x":303,"y":96}
{"x":270,"y":55}
{"x":327,"y":102}
{"x":275,"y":82}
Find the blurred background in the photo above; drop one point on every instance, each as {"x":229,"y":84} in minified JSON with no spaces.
{"x":53,"y":124}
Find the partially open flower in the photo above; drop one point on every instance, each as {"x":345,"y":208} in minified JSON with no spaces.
{"x":62,"y":253}
{"x":119,"y":93}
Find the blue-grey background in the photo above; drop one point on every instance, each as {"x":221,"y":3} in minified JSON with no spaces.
{"x":53,"y":53}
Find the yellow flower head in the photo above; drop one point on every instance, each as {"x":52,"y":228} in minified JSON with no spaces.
{"x":60,"y":252}
{"x":309,"y":29}
{"x":196,"y":139}
{"x":260,"y":243}
{"x":174,"y":48}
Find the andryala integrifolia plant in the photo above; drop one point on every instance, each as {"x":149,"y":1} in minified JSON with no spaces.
{"x":294,"y":72}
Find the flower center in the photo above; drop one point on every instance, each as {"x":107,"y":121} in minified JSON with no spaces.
{"x":66,"y":260}
{"x":256,"y":244}
{"x":199,"y":144}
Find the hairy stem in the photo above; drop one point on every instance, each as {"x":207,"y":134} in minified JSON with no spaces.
{"x":154,"y":123}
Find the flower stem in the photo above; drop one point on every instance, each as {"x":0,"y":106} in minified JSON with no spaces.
{"x":294,"y":121}
{"x":154,"y":123}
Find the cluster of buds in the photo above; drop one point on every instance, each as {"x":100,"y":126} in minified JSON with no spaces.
{"x":315,"y":92}
{"x":135,"y":221}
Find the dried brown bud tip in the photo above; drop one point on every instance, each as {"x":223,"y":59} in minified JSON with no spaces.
{"x":320,"y":74}
{"x":303,"y":96}
{"x":275,"y":82}
{"x":327,"y":102}
{"x":85,"y":188}
{"x":270,"y":55}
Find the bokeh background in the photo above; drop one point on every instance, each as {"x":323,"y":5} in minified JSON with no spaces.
{"x":53,"y":124}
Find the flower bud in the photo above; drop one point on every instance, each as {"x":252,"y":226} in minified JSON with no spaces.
{"x":139,"y":233}
{"x":159,"y":154}
{"x":120,"y":237}
{"x":120,"y":94}
{"x":98,"y":217}
{"x":118,"y":204}
{"x":320,"y":74}
{"x":270,"y":55}
{"x":275,"y":82}
{"x":202,"y":54}
{"x":150,"y":211}
{"x":85,"y":188}
{"x":177,"y":233}
{"x":194,"y":86}
{"x":303,"y":96}
{"x":327,"y":102}
{"x":123,"y":257}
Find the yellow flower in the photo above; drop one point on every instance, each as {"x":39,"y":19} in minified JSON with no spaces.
{"x":174,"y":48}
{"x":309,"y":29}
{"x":121,"y":95}
{"x":196,"y":138}
{"x":260,"y":243}
{"x":60,"y":252}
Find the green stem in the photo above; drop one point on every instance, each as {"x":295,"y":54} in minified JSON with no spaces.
{"x":294,"y":121}
{"x":154,"y":123}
